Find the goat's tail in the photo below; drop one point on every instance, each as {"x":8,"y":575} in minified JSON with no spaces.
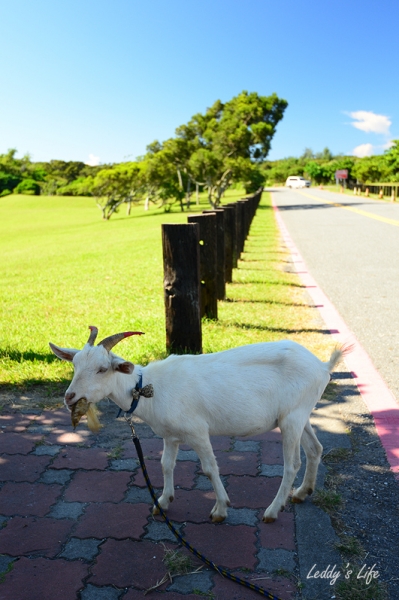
{"x":337,"y":355}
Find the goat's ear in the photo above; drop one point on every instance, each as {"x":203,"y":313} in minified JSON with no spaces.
{"x":123,"y":366}
{"x":63,"y":353}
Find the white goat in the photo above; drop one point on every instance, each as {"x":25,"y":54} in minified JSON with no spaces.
{"x":240,"y":392}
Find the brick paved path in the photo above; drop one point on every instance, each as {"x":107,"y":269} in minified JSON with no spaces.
{"x":76,"y":516}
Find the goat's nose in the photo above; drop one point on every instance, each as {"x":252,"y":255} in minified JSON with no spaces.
{"x":70,"y":396}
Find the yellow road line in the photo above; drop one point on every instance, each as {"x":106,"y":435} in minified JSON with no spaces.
{"x":355,"y":210}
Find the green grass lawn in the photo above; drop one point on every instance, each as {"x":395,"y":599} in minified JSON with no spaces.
{"x":64,"y":268}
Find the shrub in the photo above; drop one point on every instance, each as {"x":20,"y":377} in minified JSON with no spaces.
{"x":28,"y":186}
{"x":8,"y":183}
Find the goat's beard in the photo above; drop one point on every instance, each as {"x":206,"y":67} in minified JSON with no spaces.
{"x":81,"y":408}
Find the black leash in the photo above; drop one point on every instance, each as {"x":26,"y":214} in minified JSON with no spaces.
{"x":181,"y":539}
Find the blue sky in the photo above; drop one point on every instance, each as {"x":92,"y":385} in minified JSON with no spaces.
{"x":98,"y":81}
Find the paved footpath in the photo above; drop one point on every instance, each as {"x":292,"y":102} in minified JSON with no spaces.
{"x":77,"y":520}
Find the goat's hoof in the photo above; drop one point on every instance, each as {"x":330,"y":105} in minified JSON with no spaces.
{"x":296,"y":500}
{"x":217,"y":518}
{"x":268,"y":519}
{"x":156,"y":511}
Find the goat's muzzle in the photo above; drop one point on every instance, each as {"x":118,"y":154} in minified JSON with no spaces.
{"x":83,"y":407}
{"x":68,"y":399}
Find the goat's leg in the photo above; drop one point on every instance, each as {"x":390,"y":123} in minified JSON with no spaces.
{"x":168,"y":462}
{"x":313,"y":450}
{"x":292,"y":461}
{"x":204,"y":449}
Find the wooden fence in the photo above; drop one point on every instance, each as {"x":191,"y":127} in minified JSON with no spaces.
{"x":198,"y":259}
{"x":382,"y":190}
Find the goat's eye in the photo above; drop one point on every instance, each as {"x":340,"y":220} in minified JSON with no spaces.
{"x":102,"y":370}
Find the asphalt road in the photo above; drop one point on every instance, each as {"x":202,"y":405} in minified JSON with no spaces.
{"x":351,"y":247}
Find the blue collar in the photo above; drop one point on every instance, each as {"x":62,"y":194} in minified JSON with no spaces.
{"x":136,"y":397}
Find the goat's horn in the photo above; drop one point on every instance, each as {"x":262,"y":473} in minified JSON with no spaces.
{"x":112,"y":340}
{"x":93,"y":335}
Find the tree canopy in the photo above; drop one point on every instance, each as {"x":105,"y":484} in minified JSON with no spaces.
{"x":227,"y":144}
{"x":224,"y":145}
{"x":320,"y":167}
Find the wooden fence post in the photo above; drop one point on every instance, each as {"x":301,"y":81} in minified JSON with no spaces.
{"x":208,"y":263}
{"x":181,"y":265}
{"x":220,"y":252}
{"x":229,"y":237}
{"x":246,"y":219}
{"x":233,"y":205}
{"x":240,"y":228}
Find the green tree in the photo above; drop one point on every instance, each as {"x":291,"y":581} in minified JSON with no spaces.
{"x":371,"y":169}
{"x":307,"y":155}
{"x":161,"y":180}
{"x":318,"y":172}
{"x":392,"y":161}
{"x":278,"y":171}
{"x":325,"y":155}
{"x":231,"y":138}
{"x":122,"y":184}
{"x":65,"y":170}
{"x":10,"y":172}
{"x":27,"y":186}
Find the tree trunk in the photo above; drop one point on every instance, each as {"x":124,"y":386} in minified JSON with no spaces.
{"x":180,"y":179}
{"x":188,"y":193}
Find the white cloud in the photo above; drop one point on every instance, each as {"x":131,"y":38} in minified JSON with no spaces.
{"x":388,"y":145}
{"x":370,"y":122}
{"x":93,"y":160}
{"x":363,"y":150}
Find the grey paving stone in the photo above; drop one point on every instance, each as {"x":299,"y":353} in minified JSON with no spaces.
{"x":47,"y":450}
{"x":185,"y":584}
{"x":249,"y":446}
{"x":241,"y":516}
{"x":92,"y":592}
{"x":187,"y":455}
{"x":203,"y":483}
{"x":124,"y":464}
{"x":61,"y":476}
{"x":5,"y":561}
{"x":272,"y":470}
{"x":136,"y":495}
{"x":40,"y":429}
{"x":314,"y":531}
{"x":274,"y":560}
{"x":77,"y":548}
{"x":157,"y":531}
{"x":67,"y":510}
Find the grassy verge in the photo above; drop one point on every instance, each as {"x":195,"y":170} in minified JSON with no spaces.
{"x":64,"y":269}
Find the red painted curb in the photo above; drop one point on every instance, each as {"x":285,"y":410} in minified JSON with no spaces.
{"x":377,"y":396}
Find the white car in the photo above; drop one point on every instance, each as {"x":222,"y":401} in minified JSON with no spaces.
{"x":297,"y":182}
